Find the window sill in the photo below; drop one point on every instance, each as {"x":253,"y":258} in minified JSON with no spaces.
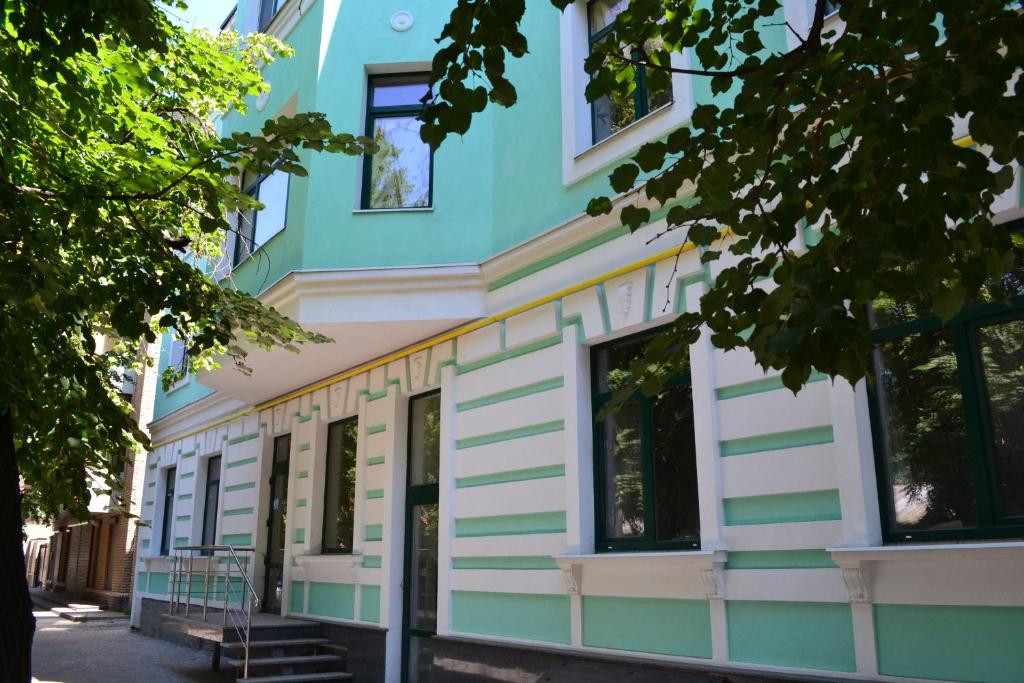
{"x":929,"y":552}
{"x":180,"y":384}
{"x":412,"y":209}
{"x":343,"y":567}
{"x":695,"y":573}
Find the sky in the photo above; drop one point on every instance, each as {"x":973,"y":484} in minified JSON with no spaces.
{"x":203,"y":14}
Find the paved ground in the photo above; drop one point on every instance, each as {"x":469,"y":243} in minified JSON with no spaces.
{"x":106,"y":650}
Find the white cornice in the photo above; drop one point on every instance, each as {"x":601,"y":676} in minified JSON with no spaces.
{"x":207,"y":410}
{"x":287,"y":18}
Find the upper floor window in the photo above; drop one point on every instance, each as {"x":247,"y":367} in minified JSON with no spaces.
{"x":947,"y":403}
{"x":255,"y":228}
{"x":340,"y":493}
{"x":611,"y":114}
{"x":268,"y":10}
{"x":645,"y":466}
{"x":399,"y":174}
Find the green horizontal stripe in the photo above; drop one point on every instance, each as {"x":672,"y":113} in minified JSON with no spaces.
{"x":151,"y":484}
{"x":758,"y":386}
{"x":304,"y":446}
{"x":300,"y":535}
{"x":509,"y":353}
{"x":238,"y":511}
{"x":377,"y":428}
{"x":243,"y":461}
{"x":241,"y":487}
{"x":188,"y":475}
{"x":511,"y":475}
{"x":180,"y":541}
{"x":518,"y":433}
{"x":305,"y":418}
{"x":243,"y":438}
{"x":375,"y":493}
{"x":303,"y":474}
{"x":301,"y":503}
{"x":188,"y":455}
{"x":807,"y":506}
{"x":237,"y":539}
{"x":555,"y":259}
{"x":510,"y":525}
{"x":183,"y":518}
{"x":777,"y":441}
{"x":373,"y":532}
{"x":375,"y":395}
{"x":375,"y":460}
{"x":185,"y":496}
{"x":780,"y":559}
{"x":148,"y":502}
{"x":515,"y":562}
{"x":508,"y":395}
{"x":145,"y":543}
{"x":371,"y":561}
{"x":153,"y":466}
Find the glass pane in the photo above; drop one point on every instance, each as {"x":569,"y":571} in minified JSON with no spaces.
{"x":421,"y":661}
{"x":623,"y":473}
{"x":400,"y":168}
{"x":612,"y":363}
{"x":399,"y":92}
{"x":922,"y":412}
{"x":603,"y":13}
{"x":282,"y":446}
{"x":677,"y":516}
{"x":165,"y":528}
{"x":210,"y":504}
{"x":423,"y":588}
{"x":339,"y":497}
{"x":273,"y":194}
{"x":425,"y":440}
{"x":657,"y":83}
{"x":1002,"y":361}
{"x":278,"y":518}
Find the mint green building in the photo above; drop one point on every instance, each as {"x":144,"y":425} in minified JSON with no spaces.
{"x":433,"y":488}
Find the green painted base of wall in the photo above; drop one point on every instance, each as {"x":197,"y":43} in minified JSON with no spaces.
{"x":158,"y":582}
{"x":332,"y":600}
{"x":796,"y":634}
{"x":667,"y":627}
{"x":297,"y":597}
{"x":369,"y":603}
{"x":512,"y":615}
{"x":981,"y":644}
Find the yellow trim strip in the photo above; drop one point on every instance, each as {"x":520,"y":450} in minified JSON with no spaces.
{"x":447,"y":336}
{"x":965,"y":141}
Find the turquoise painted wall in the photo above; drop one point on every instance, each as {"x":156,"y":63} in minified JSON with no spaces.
{"x":179,"y":397}
{"x":512,"y":615}
{"x":980,"y":644}
{"x":797,"y":634}
{"x":297,"y":597}
{"x":332,"y":599}
{"x":655,"y":625}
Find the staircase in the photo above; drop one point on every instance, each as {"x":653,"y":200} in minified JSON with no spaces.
{"x":205,"y":582}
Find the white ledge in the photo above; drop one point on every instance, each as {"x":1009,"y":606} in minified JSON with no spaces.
{"x":708,"y":565}
{"x":700,"y":557}
{"x":946,"y":551}
{"x":338,"y":567}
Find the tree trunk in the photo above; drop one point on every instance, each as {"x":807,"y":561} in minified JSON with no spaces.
{"x":17,"y":624}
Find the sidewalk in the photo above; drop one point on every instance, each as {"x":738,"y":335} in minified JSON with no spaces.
{"x":72,"y":611}
{"x":99,"y":649}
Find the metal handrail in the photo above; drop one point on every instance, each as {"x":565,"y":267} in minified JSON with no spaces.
{"x":252,"y":599}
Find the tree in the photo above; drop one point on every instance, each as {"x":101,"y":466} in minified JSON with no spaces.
{"x":113,"y":184}
{"x":849,"y":132}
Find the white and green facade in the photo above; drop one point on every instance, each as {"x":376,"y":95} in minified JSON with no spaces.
{"x":443,"y":488}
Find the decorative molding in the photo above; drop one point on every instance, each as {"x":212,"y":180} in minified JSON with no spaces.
{"x":626,"y":297}
{"x":713,"y":579}
{"x":856,"y":585}
{"x":401,"y":21}
{"x":572,"y":578}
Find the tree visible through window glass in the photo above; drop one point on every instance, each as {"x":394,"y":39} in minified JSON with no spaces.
{"x":611,"y":114}
{"x":645,"y":466}
{"x":948,"y":399}
{"x":339,"y":497}
{"x":398,"y":174}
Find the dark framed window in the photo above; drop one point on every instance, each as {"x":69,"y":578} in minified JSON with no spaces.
{"x":947,"y":405}
{"x":400,"y":174}
{"x":168,"y":519}
{"x":340,"y":488}
{"x":268,"y":10}
{"x":611,"y":114}
{"x":212,"y":500}
{"x":255,"y":228}
{"x":645,"y":468}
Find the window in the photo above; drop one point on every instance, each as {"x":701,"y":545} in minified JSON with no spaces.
{"x":339,"y":497}
{"x":268,"y":10}
{"x":255,"y":228}
{"x":177,"y":355}
{"x":611,"y":114}
{"x":947,"y":403}
{"x":645,"y":458}
{"x":399,"y":175}
{"x":212,"y":499}
{"x":168,"y":521}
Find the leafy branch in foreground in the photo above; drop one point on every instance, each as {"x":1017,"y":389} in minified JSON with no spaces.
{"x":831,"y":162}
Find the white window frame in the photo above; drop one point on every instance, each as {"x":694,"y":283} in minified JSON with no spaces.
{"x":581,"y":156}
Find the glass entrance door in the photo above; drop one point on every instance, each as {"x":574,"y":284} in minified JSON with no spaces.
{"x":277,"y":523}
{"x":421,"y":517}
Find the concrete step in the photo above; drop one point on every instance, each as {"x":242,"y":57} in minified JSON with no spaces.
{"x":288,"y":642}
{"x":299,"y":678}
{"x":285,"y":661}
